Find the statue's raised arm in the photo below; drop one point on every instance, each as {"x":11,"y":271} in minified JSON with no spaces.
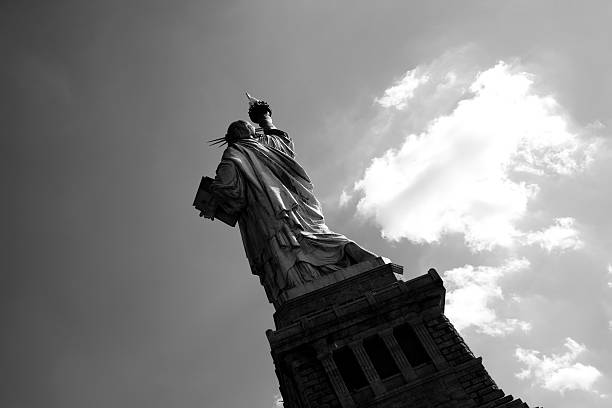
{"x":261,"y":113}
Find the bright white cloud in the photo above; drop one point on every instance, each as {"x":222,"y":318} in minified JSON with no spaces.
{"x":610,"y":275}
{"x":562,"y":235}
{"x":278,"y":401}
{"x":472,"y":292}
{"x":398,"y":95}
{"x":558,"y":372}
{"x":460,"y":174}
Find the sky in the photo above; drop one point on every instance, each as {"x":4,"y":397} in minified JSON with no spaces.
{"x":472,"y":137}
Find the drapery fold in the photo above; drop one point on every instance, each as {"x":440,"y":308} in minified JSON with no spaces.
{"x":281,"y":221}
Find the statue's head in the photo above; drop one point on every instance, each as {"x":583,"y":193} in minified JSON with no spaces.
{"x":239,"y":129}
{"x":258,"y":111}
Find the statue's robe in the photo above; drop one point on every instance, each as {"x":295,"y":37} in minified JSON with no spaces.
{"x":281,"y":222}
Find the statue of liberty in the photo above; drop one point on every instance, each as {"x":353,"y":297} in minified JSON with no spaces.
{"x":259,"y":183}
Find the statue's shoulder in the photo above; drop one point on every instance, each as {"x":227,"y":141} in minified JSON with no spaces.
{"x":276,"y":138}
{"x":240,"y":148}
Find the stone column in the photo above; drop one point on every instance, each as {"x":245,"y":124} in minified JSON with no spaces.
{"x":367,"y":367}
{"x":398,"y":355}
{"x":331,"y":369}
{"x":429,"y":344}
{"x":288,"y":391}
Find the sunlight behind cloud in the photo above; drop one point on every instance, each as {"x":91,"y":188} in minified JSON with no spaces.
{"x":558,"y":372}
{"x":455,"y":177}
{"x":472,"y":292}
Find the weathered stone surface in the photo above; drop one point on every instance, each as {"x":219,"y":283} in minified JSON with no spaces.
{"x":312,"y":329}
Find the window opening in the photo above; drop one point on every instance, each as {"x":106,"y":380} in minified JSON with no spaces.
{"x":411,"y":345}
{"x":381,"y":358}
{"x":349,"y":368}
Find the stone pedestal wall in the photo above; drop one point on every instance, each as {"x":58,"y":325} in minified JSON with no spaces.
{"x":369,"y":340}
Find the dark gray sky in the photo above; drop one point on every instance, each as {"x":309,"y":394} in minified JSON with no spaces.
{"x":114,"y":293}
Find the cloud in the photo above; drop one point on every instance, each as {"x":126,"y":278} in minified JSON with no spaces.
{"x":398,"y":95}
{"x":561,"y":236}
{"x":472,"y":170}
{"x":344,"y":198}
{"x":558,"y":372}
{"x":610,"y":275}
{"x":472,"y":292}
{"x":278,"y":401}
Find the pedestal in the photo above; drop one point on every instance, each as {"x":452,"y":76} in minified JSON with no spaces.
{"x":362,"y":338}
